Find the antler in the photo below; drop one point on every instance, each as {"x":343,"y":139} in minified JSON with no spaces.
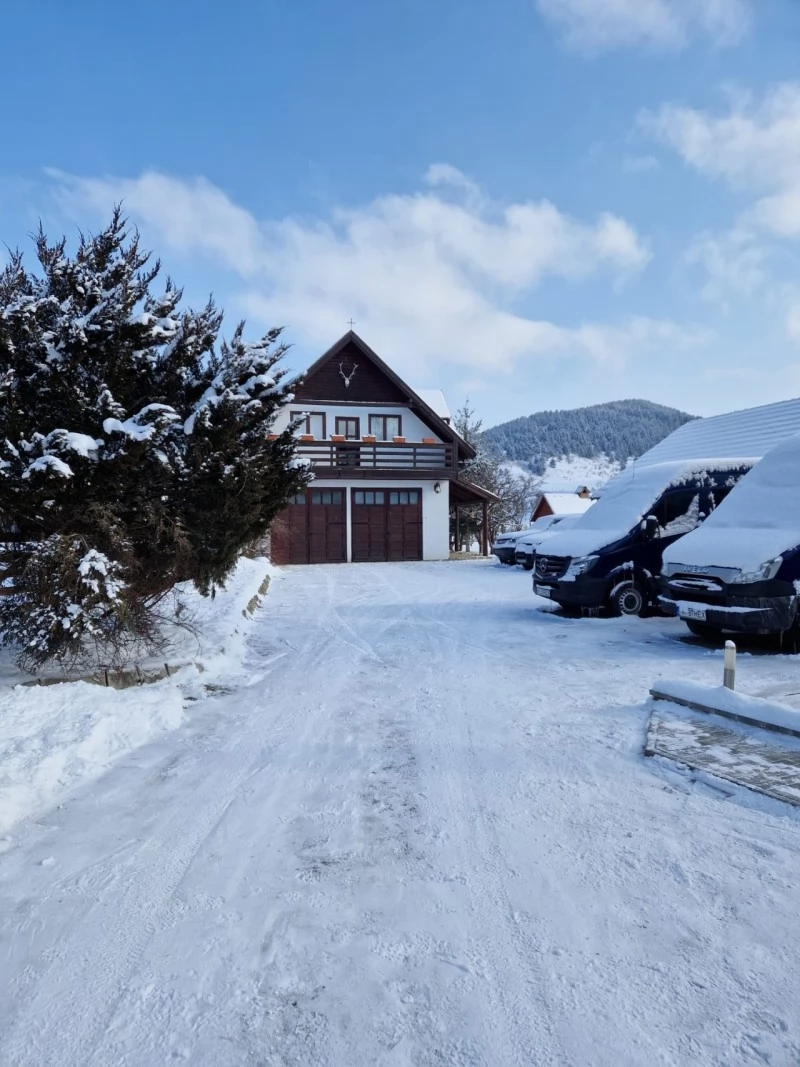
{"x":348,"y":377}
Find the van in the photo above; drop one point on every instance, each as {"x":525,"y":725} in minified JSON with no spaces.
{"x":610,"y":559}
{"x":741,"y":571}
{"x":541,"y":530}
{"x":504,"y":545}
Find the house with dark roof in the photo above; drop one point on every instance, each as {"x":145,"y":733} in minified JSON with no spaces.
{"x":386,"y":465}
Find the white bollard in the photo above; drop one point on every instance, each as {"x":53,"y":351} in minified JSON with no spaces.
{"x":729,"y":676}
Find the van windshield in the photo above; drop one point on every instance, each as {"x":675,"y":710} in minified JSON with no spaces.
{"x":759,"y":520}
{"x":627,"y":499}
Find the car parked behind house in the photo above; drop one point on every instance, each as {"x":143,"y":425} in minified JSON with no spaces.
{"x":542,"y":530}
{"x":505,"y":545}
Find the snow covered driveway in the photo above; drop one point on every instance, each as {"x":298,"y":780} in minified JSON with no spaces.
{"x":425,"y":834}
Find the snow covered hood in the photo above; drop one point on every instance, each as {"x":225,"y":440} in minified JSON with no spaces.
{"x":625,"y":501}
{"x":758,"y":521}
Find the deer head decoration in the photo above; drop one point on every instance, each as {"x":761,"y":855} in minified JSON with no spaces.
{"x":347,"y":377}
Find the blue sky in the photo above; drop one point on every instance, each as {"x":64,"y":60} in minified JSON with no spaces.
{"x":540,"y":203}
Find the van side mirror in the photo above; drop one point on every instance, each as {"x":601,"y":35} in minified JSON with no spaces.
{"x":650,"y":528}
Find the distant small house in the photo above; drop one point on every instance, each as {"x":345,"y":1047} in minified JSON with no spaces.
{"x":563,"y":503}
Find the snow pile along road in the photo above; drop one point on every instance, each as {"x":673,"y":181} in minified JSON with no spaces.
{"x":54,"y":738}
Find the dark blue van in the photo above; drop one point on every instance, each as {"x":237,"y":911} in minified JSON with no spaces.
{"x":741,"y":572}
{"x":610,"y":559}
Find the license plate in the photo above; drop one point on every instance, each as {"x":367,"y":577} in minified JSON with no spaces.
{"x":698,"y":614}
{"x":543,"y":590}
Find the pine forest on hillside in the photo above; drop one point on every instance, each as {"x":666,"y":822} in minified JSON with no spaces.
{"x":620,"y":430}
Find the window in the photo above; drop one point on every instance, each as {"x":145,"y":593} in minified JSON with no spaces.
{"x":678,"y":512}
{"x":385,"y":427}
{"x":298,"y":498}
{"x":349,"y":427}
{"x":360,"y":497}
{"x":718,"y":494}
{"x":401,"y":498}
{"x":314,"y":423}
{"x":327,"y":496}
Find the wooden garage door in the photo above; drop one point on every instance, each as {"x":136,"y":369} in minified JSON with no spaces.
{"x":311,"y":529}
{"x":387,"y":525}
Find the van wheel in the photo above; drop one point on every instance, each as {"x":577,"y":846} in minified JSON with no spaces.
{"x":527,"y":566}
{"x":701,"y":629}
{"x":627,"y":598}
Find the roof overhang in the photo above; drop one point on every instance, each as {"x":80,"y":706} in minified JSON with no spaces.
{"x":462,"y":492}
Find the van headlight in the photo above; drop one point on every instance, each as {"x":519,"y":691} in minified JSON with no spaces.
{"x":580,"y":565}
{"x":759,"y":574}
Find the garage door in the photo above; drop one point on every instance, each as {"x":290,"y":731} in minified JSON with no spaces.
{"x":387,"y":525}
{"x":311,"y":529}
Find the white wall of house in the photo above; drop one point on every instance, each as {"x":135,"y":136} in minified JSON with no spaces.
{"x":435,"y":510}
{"x":413,"y":429}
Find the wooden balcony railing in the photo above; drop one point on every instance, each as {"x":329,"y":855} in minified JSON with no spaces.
{"x":383,"y":455}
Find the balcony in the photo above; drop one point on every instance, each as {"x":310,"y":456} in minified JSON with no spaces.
{"x":382,"y":455}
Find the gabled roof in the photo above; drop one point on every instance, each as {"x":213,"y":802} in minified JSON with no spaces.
{"x":426,"y":412}
{"x":567,"y":503}
{"x":747,"y":434}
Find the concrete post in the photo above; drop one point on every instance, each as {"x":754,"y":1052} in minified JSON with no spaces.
{"x":729,"y":676}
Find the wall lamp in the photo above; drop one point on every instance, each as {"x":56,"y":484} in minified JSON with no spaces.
{"x":437,"y":487}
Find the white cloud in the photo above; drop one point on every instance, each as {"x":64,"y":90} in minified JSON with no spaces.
{"x":754,"y":147}
{"x":734,"y":264}
{"x":445,"y":174}
{"x":597,"y":25}
{"x":425,"y":278}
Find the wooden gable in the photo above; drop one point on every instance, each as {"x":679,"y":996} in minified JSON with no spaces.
{"x":325,"y":381}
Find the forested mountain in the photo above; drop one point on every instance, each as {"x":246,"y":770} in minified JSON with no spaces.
{"x":619,"y":430}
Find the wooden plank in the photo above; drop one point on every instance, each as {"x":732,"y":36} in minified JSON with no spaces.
{"x":746,"y":760}
{"x":708,"y":709}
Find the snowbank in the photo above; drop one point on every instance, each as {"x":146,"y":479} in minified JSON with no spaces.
{"x":218,"y":630}
{"x":56,"y":737}
{"x":730,"y":704}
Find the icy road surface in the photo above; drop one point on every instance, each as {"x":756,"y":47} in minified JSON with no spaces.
{"x":425,"y":835}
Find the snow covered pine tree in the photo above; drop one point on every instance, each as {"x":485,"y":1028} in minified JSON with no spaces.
{"x":134,"y":448}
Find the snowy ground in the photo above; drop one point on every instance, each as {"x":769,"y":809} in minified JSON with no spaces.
{"x":423,"y":834}
{"x":54,"y":738}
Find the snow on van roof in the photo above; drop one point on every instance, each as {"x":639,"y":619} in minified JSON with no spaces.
{"x":435,"y":399}
{"x":628,"y":498}
{"x":747,"y":434}
{"x":567,"y":503}
{"x":759,"y":520}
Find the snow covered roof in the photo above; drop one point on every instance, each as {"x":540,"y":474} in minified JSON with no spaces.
{"x":758,"y":521}
{"x":435,"y":400}
{"x":747,"y":434}
{"x":567,"y":503}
